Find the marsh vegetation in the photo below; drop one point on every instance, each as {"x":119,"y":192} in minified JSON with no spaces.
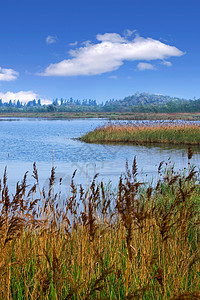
{"x":103,"y":115}
{"x":138,"y":242}
{"x":161,"y":133}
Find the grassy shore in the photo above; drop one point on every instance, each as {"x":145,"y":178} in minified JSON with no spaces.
{"x":108,"y":115}
{"x":171,"y":134}
{"x":139,"y":243}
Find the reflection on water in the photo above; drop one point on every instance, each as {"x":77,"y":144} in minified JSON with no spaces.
{"x":52,"y":141}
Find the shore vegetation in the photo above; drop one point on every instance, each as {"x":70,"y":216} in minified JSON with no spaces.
{"x":140,"y":242}
{"x":140,"y":134}
{"x":102,"y":115}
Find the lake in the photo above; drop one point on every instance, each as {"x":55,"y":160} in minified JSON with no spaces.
{"x":53,"y":142}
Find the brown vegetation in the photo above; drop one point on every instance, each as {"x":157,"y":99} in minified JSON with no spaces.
{"x":139,"y":243}
{"x":188,"y":134}
{"x":108,"y":115}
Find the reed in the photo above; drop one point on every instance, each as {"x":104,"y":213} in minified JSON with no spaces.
{"x":108,"y":115}
{"x":139,"y":243}
{"x":171,"y":134}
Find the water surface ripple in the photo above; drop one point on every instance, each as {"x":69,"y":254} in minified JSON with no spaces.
{"x":47,"y":142}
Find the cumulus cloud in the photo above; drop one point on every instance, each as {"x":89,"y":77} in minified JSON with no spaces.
{"x":166,"y":63}
{"x":110,"y":37}
{"x":73,"y":44}
{"x":50,"y":39}
{"x":22,"y":96}
{"x":8,"y":74}
{"x":109,"y":53}
{"x":145,"y":66}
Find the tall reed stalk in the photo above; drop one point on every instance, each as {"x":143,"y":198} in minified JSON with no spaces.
{"x":142,"y":242}
{"x":163,"y":133}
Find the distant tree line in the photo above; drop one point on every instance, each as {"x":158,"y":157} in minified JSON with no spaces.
{"x":139,"y":102}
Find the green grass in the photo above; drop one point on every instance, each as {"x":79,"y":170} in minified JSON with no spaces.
{"x":171,"y":134}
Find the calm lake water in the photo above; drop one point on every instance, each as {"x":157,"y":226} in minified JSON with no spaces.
{"x":52,"y":142}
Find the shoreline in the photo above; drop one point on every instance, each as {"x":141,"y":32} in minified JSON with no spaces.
{"x":106,"y":115}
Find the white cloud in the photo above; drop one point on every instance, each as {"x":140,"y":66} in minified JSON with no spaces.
{"x":73,"y":44}
{"x":50,"y":39}
{"x":8,"y":74}
{"x":145,"y":66}
{"x":86,"y":43}
{"x":166,"y":63}
{"x":109,"y":54}
{"x":110,"y":37}
{"x":128,"y":32}
{"x":23,"y":96}
{"x":113,"y":77}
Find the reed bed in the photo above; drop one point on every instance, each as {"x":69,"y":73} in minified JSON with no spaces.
{"x":163,"y":133}
{"x":141,"y":242}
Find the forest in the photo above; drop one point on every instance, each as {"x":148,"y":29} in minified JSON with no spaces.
{"x":139,"y":103}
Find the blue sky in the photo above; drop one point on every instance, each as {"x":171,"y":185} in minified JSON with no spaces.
{"x":99,"y":49}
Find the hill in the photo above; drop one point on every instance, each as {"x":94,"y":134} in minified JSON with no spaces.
{"x":144,"y":102}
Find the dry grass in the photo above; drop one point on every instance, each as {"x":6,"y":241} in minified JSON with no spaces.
{"x":109,"y":115}
{"x":141,"y":243}
{"x":172,"y":134}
